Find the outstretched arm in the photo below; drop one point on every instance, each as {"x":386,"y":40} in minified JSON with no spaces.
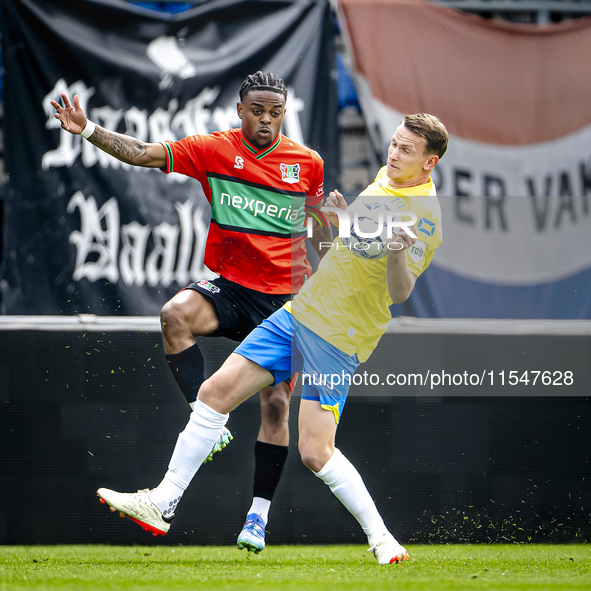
{"x":123,"y":147}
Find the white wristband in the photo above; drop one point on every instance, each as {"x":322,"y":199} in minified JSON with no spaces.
{"x":88,"y":130}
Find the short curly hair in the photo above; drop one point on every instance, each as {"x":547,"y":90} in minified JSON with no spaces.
{"x":263,"y":81}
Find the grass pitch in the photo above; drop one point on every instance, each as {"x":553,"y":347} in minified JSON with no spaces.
{"x":323,"y":568}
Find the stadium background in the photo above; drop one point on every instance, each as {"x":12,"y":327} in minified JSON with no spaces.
{"x":87,"y":400}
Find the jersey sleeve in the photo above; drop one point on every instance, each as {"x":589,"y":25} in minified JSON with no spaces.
{"x":315,"y":196}
{"x":420,"y":254}
{"x":382,"y":175}
{"x":187,"y":156}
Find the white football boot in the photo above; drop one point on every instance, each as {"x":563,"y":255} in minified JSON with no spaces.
{"x":139,"y":508}
{"x":387,"y":550}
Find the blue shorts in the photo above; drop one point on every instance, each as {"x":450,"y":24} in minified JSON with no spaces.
{"x":284,"y":346}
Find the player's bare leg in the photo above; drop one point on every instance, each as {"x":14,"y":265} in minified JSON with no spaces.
{"x":234,"y":382}
{"x":317,"y":428}
{"x":275,"y":414}
{"x":270,"y":452}
{"x":185,"y":316}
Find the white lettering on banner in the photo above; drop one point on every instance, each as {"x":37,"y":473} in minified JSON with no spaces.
{"x":558,"y":167}
{"x":517,"y":240}
{"x":195,"y":118}
{"x":177,"y":254}
{"x":512,"y":215}
{"x":561,"y":167}
{"x":92,"y":240}
{"x":134,"y":240}
{"x":136,"y":124}
{"x":160,"y":262}
{"x":163,"y":124}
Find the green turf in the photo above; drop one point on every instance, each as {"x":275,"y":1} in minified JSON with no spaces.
{"x":322,"y":568}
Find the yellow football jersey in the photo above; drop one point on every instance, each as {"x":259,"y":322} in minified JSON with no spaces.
{"x":346,"y":302}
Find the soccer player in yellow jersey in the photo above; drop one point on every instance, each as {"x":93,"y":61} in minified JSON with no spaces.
{"x":332,"y":325}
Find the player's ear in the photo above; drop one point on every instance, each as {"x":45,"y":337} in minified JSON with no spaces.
{"x":431,"y":162}
{"x":239,"y":109}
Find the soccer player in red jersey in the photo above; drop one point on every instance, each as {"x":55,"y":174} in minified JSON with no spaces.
{"x":258,"y":183}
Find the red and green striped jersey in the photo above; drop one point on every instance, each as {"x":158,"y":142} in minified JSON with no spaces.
{"x":258,"y":231}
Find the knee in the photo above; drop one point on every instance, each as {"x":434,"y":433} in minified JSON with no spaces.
{"x":275,"y":405}
{"x":211,"y":394}
{"x":172,"y":317}
{"x":206,"y":392}
{"x":312,"y":457}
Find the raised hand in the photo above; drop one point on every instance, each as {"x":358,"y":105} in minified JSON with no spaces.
{"x":72,"y":118}
{"x":335,"y":199}
{"x":403,"y":239}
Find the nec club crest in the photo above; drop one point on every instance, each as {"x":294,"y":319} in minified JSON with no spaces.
{"x":290,"y":173}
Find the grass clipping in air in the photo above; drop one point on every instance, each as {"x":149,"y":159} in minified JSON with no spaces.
{"x":508,"y":567}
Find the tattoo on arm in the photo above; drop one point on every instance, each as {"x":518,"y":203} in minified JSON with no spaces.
{"x":320,"y":234}
{"x":123,"y":147}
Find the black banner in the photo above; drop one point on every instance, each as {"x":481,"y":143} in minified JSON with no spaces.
{"x":85,"y":233}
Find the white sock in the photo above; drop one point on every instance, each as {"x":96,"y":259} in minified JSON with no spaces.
{"x":192,"y":447}
{"x":261,"y":507}
{"x":347,"y":485}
